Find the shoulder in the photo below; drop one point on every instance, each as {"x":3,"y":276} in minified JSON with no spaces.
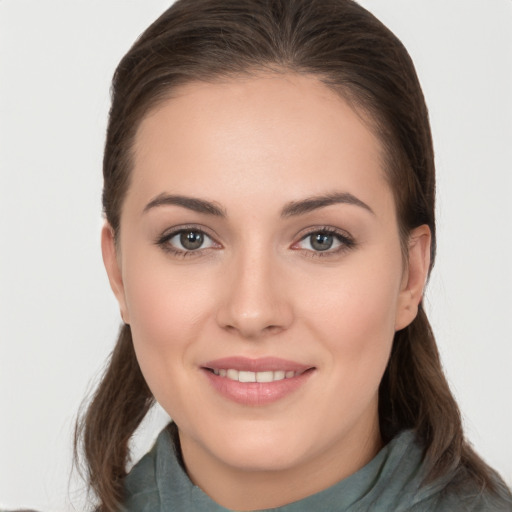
{"x":404,"y":485}
{"x":461,"y":494}
{"x":141,"y":484}
{"x":158,"y":478}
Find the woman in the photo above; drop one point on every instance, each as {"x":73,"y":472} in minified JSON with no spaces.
{"x":269,"y":196}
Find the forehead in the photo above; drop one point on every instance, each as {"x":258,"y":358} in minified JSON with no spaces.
{"x":256,"y":133}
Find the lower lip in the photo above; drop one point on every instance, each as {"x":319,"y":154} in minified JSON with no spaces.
{"x":256,"y":393}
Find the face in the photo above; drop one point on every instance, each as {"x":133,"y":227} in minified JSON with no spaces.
{"x":259,"y":266}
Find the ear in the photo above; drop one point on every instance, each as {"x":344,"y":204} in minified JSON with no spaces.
{"x":415,"y":276}
{"x":113,"y":268}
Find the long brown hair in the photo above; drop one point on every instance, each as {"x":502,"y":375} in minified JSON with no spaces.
{"x":349,"y":50}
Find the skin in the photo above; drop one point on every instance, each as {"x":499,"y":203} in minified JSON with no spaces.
{"x":258,"y":287}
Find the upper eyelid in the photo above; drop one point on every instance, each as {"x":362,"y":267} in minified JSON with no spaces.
{"x":324,"y":229}
{"x":171,"y":232}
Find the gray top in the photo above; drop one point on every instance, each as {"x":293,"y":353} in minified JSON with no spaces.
{"x":389,"y":482}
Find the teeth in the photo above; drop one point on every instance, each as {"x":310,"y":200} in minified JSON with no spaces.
{"x":245,"y":376}
{"x":265,"y":377}
{"x":232,"y":374}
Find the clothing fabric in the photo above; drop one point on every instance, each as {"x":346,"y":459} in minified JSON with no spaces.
{"x":389,"y":482}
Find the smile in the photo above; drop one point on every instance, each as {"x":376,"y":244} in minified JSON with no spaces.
{"x":247,"y":376}
{"x":256,"y":382}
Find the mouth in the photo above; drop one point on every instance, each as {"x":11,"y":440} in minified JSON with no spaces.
{"x":256,"y":382}
{"x":248,"y":376}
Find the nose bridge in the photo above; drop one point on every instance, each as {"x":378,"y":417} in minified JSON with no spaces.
{"x":255,"y":302}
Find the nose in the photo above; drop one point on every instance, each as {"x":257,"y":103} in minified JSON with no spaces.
{"x":255,"y":297}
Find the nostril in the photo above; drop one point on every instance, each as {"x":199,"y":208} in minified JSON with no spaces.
{"x":273,"y":329}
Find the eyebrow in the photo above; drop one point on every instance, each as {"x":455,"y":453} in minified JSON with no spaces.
{"x":291,"y":209}
{"x":313,"y":203}
{"x":191,"y":203}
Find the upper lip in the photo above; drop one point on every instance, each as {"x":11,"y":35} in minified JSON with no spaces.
{"x":262,"y":364}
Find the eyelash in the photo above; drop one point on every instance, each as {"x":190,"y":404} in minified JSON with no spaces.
{"x":163,"y":242}
{"x":346,"y":242}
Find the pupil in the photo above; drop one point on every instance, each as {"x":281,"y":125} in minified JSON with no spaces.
{"x":191,"y":240}
{"x":321,"y":241}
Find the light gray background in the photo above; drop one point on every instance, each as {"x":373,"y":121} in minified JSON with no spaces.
{"x":58,"y":320}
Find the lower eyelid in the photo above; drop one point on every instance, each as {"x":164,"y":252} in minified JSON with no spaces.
{"x":337,"y":252}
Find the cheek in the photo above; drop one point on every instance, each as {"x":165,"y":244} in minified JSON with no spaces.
{"x":353,"y":313}
{"x":360,"y":300}
{"x":166,"y":313}
{"x":360,"y":344}
{"x":163,"y":298}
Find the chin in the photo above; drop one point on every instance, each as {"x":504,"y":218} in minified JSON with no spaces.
{"x":264,"y":457}
{"x":258,"y":446}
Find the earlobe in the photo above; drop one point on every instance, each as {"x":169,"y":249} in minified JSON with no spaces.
{"x":415,"y":276}
{"x":113,"y":268}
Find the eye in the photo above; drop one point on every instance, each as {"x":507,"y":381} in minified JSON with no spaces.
{"x":185,"y":241}
{"x":326,"y":241}
{"x":321,"y":241}
{"x":189,"y":240}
